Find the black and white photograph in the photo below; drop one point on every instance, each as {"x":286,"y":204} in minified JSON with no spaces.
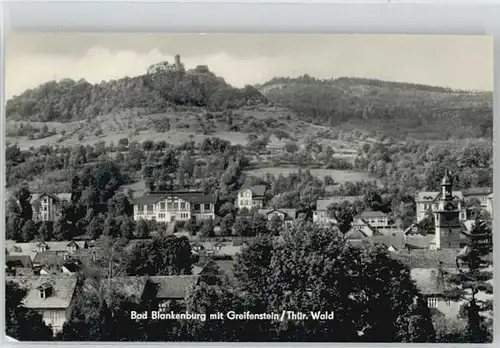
{"x":248,"y":187}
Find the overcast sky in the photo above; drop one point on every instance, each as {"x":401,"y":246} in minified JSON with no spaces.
{"x":464,"y":62}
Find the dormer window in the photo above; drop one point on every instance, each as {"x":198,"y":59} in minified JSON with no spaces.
{"x":42,"y":247}
{"x":45,"y":290}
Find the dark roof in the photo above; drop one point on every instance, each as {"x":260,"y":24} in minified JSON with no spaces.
{"x":257,"y":190}
{"x":49,"y":258}
{"x":18,"y":261}
{"x":147,"y":199}
{"x":426,"y":258}
{"x":174,"y":287}
{"x":72,"y":266}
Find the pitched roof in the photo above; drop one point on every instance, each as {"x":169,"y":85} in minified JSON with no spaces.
{"x":397,"y":241}
{"x":194,"y":197}
{"x":61,"y":296}
{"x":50,"y":258}
{"x":131,"y":286}
{"x":420,"y":241}
{"x":18,"y":261}
{"x":355,"y":234}
{"x":257,"y":190}
{"x":372,"y":214}
{"x":147,"y":199}
{"x":30,"y":249}
{"x":289,"y":213}
{"x":174,"y":287}
{"x":72,"y":266}
{"x":322,"y":204}
{"x":428,"y":196}
{"x":477,"y":191}
{"x":426,"y":258}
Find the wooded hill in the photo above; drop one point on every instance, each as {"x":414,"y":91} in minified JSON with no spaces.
{"x":70,"y":100}
{"x":397,"y":109}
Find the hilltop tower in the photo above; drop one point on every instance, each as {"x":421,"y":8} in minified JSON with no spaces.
{"x":447,"y":216}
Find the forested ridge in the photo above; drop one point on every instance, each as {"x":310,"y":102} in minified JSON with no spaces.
{"x":68,"y":100}
{"x":392,"y":107}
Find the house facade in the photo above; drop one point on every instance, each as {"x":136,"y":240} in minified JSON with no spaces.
{"x":251,"y":197}
{"x":52,"y":297}
{"x":287,"y":216}
{"x":429,"y":201}
{"x":375,"y":218}
{"x":174,"y":206}
{"x":47,"y":207}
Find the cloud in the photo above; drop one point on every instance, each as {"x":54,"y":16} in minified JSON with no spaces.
{"x":458,"y":62}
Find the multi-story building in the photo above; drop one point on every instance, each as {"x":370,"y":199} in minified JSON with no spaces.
{"x":429,"y":201}
{"x":478,"y":193}
{"x":47,"y":207}
{"x":251,"y":197}
{"x":174,"y":206}
{"x":375,"y":218}
{"x":52,"y":297}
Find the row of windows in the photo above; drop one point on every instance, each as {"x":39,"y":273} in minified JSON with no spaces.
{"x":175,"y":206}
{"x":433,"y":302}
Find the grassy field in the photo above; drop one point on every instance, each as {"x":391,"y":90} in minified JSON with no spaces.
{"x":339,"y":176}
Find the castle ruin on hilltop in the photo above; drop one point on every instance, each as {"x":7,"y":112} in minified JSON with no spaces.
{"x":166,"y":66}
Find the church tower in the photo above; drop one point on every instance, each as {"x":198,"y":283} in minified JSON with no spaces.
{"x":447,"y":216}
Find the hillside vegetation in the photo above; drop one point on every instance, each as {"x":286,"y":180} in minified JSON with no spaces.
{"x":396,"y":109}
{"x":70,"y":100}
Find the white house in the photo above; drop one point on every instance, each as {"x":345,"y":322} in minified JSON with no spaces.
{"x":287,"y":216}
{"x":174,"y":206}
{"x":251,"y":197}
{"x":430,"y":201}
{"x":52,"y":297}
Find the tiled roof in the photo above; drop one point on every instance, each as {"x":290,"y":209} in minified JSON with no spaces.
{"x":174,"y":287}
{"x":397,"y":241}
{"x":372,"y":214}
{"x":50,"y":258}
{"x":189,"y":196}
{"x":322,"y":204}
{"x":132,"y":287}
{"x":426,"y":258}
{"x":477,"y":191}
{"x":257,"y":190}
{"x":148,"y":199}
{"x":355,"y":234}
{"x":18,"y":261}
{"x":420,"y":241}
{"x":61,"y":296}
{"x":428,"y":196}
{"x":30,"y":249}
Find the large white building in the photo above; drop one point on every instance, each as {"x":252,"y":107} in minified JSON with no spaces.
{"x":174,"y":206}
{"x":251,"y":197}
{"x":430,"y":201}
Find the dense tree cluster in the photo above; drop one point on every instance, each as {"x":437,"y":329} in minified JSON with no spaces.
{"x":69,"y":100}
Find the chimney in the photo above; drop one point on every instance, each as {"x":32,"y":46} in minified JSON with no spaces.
{"x":178,"y":61}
